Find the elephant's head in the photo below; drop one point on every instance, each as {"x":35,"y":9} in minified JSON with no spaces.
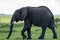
{"x":19,"y":14}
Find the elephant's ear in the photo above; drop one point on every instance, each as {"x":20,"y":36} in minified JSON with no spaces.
{"x":24,"y":13}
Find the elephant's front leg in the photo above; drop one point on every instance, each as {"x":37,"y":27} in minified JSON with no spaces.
{"x":22,"y":33}
{"x":27,"y":26}
{"x":29,"y":33}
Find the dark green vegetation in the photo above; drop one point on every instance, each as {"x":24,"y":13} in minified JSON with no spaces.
{"x":16,"y":34}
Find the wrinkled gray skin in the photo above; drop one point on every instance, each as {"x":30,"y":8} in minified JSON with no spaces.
{"x":39,"y":16}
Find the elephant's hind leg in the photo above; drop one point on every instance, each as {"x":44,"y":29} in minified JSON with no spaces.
{"x":54,"y":33}
{"x":51,"y":26}
{"x":43,"y":33}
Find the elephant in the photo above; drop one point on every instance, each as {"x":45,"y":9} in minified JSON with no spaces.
{"x":39,"y":16}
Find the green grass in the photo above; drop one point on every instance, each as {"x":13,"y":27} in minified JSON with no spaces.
{"x":16,"y":34}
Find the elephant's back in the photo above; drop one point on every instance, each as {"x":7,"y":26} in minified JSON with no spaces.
{"x":38,"y":12}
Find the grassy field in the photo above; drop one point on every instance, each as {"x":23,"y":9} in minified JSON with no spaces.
{"x":16,"y":34}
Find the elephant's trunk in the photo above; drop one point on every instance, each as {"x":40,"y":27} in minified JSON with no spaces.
{"x":11,"y":27}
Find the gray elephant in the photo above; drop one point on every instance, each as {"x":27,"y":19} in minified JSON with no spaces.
{"x":39,"y":16}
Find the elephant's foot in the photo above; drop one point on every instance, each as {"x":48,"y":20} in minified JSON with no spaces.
{"x":29,"y":38}
{"x":41,"y":38}
{"x":24,"y":37}
{"x":54,"y":37}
